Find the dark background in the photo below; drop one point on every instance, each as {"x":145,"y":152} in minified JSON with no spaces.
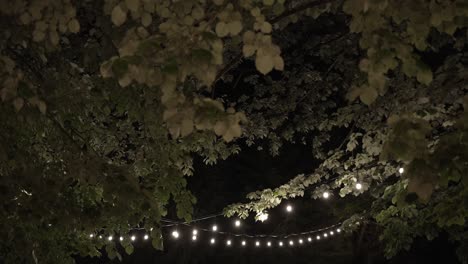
{"x":229,"y":181}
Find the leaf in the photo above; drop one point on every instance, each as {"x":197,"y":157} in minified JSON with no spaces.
{"x":248,"y":50}
{"x":119,"y":67}
{"x":368,"y":95}
{"x":202,"y":55}
{"x":18,"y":103}
{"x":279,"y":63}
{"x":264,"y":64}
{"x":266,"y":27}
{"x":118,"y":16}
{"x":132,"y":5}
{"x":424,"y":76}
{"x":221,"y":29}
{"x":235,"y":27}
{"x":146,"y":19}
{"x":74,"y":26}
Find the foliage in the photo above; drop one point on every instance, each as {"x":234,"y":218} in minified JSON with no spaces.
{"x":105,"y":104}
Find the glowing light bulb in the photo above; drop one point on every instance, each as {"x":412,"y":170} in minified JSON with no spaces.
{"x":175,"y":234}
{"x":194,"y":238}
{"x":212,"y":241}
{"x":257,"y":243}
{"x":326,"y":195}
{"x":100,"y":237}
{"x":194,"y":232}
{"x":244,"y":243}
{"x":214,"y":228}
{"x":133,"y":238}
{"x":91,"y":235}
{"x":358,"y":186}
{"x":110,"y":238}
{"x":263,"y":217}
{"x":301,"y":241}
{"x":237,"y":223}
{"x":401,"y":170}
{"x":121,"y":238}
{"x":146,"y":237}
{"x":280,"y":243}
{"x":338,"y":230}
{"x":289,"y":208}
{"x":228,"y":242}
{"x":331,"y":233}
{"x":309,"y":239}
{"x":269,"y":244}
{"x":318,"y":237}
{"x":325,"y":235}
{"x":291,"y":243}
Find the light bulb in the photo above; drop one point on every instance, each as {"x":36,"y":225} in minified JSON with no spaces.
{"x":194,"y":238}
{"x":309,"y":239}
{"x":100,"y":237}
{"x":244,"y":243}
{"x":257,"y":243}
{"x":331,"y":233}
{"x":145,"y":237}
{"x":263,"y":217}
{"x":175,"y":234}
{"x":318,"y":237}
{"x":401,"y":170}
{"x":269,"y":243}
{"x":195,"y":232}
{"x":280,"y":243}
{"x":326,"y":195}
{"x":228,"y":242}
{"x":300,"y":241}
{"x":291,"y":243}
{"x":110,"y":238}
{"x":91,"y":235}
{"x":338,"y":230}
{"x":358,"y":186}
{"x":133,"y":238}
{"x":237,"y":223}
{"x":289,"y":208}
{"x":121,"y":238}
{"x":325,"y":235}
{"x":212,"y":241}
{"x":214,"y":228}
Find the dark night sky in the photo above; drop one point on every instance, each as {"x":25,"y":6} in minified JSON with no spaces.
{"x":229,"y":181}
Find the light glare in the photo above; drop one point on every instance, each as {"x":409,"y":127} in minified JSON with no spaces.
{"x":326,"y":195}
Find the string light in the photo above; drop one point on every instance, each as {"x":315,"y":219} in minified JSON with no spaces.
{"x":358,"y":186}
{"x":121,"y":238}
{"x":263,"y":217}
{"x":133,"y":238}
{"x":100,"y":237}
{"x":228,"y":242}
{"x":401,"y":170}
{"x":300,"y":241}
{"x":194,"y":232}
{"x":175,"y":234}
{"x":309,"y":239}
{"x":91,"y":235}
{"x":212,"y":241}
{"x":214,"y":228}
{"x":289,"y":208}
{"x":145,"y":237}
{"x":331,"y":233}
{"x":237,"y":223}
{"x":291,"y":243}
{"x":257,"y":243}
{"x":280,"y":243}
{"x":243,"y":243}
{"x":194,"y":238}
{"x":110,"y":238}
{"x":326,"y":195}
{"x":338,"y":230}
{"x":318,"y":237}
{"x":325,"y":235}
{"x":269,"y":244}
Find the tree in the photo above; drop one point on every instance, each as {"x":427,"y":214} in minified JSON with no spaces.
{"x":104,"y":105}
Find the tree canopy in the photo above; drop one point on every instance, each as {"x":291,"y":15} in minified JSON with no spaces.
{"x":105,"y":105}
